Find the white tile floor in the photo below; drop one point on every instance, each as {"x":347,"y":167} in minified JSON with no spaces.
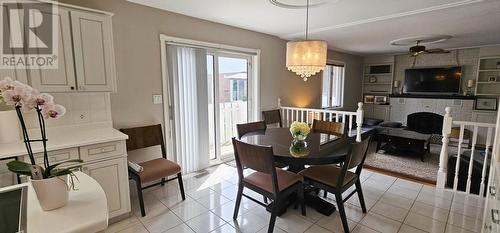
{"x":395,"y":205}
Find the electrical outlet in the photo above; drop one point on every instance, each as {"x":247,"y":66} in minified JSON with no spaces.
{"x":157,"y":99}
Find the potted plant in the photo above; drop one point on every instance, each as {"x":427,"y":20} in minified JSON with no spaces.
{"x":51,"y":182}
{"x":299,"y":130}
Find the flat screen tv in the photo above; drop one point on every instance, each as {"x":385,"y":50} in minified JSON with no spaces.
{"x":442,"y":80}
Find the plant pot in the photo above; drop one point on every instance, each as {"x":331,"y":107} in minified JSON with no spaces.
{"x":52,"y":193}
{"x":9,"y":127}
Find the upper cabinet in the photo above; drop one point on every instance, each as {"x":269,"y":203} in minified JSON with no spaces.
{"x":93,"y":48}
{"x":61,"y":79}
{"x":16,"y":74}
{"x":85,"y":54}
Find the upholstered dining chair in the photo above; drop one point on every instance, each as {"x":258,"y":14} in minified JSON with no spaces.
{"x":246,"y":128}
{"x":272,"y":117}
{"x":329,"y":127}
{"x":267,"y":180}
{"x":153,"y":170}
{"x":337,"y":180}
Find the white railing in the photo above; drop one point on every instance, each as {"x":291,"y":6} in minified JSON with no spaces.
{"x":291,"y":114}
{"x":448,"y":124}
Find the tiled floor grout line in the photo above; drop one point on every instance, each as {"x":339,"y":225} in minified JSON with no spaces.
{"x":409,"y":210}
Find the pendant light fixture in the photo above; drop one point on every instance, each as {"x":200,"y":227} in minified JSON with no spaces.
{"x":306,"y":57}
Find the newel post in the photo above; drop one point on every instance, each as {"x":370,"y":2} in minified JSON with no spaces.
{"x":443,"y":157}
{"x":359,"y":121}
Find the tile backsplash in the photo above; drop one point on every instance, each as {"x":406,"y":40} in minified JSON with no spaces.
{"x":81,"y":108}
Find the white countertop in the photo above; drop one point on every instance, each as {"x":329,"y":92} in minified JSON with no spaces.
{"x":65,"y":137}
{"x":86,"y":211}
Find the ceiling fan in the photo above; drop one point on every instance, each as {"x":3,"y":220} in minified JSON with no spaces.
{"x":419,"y":49}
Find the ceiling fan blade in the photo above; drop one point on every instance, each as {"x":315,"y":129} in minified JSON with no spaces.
{"x":436,"y":51}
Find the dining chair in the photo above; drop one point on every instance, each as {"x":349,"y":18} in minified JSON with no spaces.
{"x":267,"y":180}
{"x":329,"y":127}
{"x":272,"y":117}
{"x":337,"y":180}
{"x":155,"y":169}
{"x":251,"y":127}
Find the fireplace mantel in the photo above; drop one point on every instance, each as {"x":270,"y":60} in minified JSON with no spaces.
{"x":420,"y":96}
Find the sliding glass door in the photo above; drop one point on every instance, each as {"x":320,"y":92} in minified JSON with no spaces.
{"x":228,"y":80}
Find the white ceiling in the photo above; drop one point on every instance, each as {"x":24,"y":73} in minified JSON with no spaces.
{"x":356,"y":26}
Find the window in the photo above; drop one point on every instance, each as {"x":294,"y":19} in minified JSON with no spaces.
{"x":332,"y":85}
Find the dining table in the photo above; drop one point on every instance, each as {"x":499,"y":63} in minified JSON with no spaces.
{"x":316,"y":149}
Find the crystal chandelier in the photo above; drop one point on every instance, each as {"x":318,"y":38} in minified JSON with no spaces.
{"x":307,"y":57}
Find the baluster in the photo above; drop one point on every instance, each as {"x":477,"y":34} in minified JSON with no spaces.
{"x":350,"y":125}
{"x":302,"y":115}
{"x":486,"y":153}
{"x":359,"y":121}
{"x":336,"y":117}
{"x":331,"y":116}
{"x":307,"y":117}
{"x":459,"y":152}
{"x":288,"y":117}
{"x":443,"y":156}
{"x":324,"y":115}
{"x":471,"y":159}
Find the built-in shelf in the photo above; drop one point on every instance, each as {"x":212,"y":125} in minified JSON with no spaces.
{"x":491,"y":70}
{"x":377,"y":83}
{"x":488,"y":67}
{"x":378,"y":74}
{"x":381,"y":77}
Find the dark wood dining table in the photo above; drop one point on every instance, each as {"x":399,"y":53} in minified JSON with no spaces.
{"x":320,"y":149}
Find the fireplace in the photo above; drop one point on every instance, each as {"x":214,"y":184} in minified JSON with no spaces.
{"x":425,"y":122}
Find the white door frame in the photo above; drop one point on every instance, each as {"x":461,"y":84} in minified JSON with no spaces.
{"x":253,"y":101}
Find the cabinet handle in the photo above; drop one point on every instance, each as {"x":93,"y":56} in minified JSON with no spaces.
{"x":493,"y":191}
{"x":495,"y":216}
{"x":72,"y":88}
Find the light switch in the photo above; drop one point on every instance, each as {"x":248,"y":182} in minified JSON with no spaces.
{"x":157,"y":99}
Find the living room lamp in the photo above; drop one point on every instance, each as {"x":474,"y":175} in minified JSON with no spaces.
{"x":306,"y":57}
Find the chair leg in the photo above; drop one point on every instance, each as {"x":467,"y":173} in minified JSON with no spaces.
{"x":302,"y":200}
{"x":343,"y":217}
{"x":360,"y":196}
{"x":139,"y":194}
{"x":274,"y":212}
{"x":162,"y":181}
{"x":238,"y":201}
{"x":325,"y":193}
{"x":181,"y":186}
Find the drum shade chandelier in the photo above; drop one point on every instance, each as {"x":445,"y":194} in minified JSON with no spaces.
{"x":306,"y":57}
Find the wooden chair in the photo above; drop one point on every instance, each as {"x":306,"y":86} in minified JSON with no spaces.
{"x":153,"y":170}
{"x":337,"y":180}
{"x":272,"y":117}
{"x":267,"y":180}
{"x":329,"y":127}
{"x":250,"y":127}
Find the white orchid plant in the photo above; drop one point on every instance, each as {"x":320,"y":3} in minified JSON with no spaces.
{"x":23,"y":98}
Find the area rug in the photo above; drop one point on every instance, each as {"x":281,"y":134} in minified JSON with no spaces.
{"x":406,"y":165}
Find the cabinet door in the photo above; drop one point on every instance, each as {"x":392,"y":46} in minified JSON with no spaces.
{"x":382,"y":112}
{"x":94,"y":55}
{"x":61,"y":79}
{"x":19,"y":74}
{"x":112,"y":175}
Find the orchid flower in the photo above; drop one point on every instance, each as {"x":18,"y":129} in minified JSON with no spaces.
{"x":6,"y":84}
{"x":52,"y":110}
{"x":37,"y":99}
{"x":16,"y":93}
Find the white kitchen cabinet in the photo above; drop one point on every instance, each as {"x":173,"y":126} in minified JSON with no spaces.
{"x":112,"y":175}
{"x":93,"y":50}
{"x":61,"y":79}
{"x":19,"y":74}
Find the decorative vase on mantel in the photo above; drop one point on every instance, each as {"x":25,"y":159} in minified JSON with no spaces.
{"x":51,"y":182}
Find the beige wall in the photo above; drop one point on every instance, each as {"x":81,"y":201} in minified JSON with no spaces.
{"x":136,"y":39}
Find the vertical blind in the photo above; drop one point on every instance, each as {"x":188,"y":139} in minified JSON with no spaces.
{"x":188,"y":78}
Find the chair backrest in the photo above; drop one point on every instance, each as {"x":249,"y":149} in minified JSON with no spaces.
{"x":145,"y":136}
{"x":258,"y":158}
{"x":355,"y":158}
{"x":272,"y":117}
{"x":329,"y":127}
{"x":250,"y":127}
